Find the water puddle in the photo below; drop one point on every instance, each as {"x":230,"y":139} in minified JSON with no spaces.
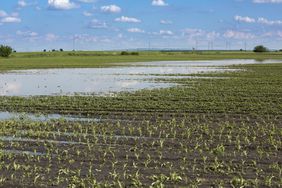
{"x":40,"y":117}
{"x":20,"y":139}
{"x":105,"y":81}
{"x":19,"y":152}
{"x":208,"y":63}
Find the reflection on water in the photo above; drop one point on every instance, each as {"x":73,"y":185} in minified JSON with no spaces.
{"x":49,"y":117}
{"x":103,"y":81}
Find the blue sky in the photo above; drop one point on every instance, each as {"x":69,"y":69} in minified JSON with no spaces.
{"x":34,"y":25}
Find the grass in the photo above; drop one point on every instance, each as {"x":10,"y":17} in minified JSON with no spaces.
{"x":203,"y":133}
{"x":37,"y":60}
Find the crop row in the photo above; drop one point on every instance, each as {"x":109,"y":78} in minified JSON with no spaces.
{"x":153,"y":154}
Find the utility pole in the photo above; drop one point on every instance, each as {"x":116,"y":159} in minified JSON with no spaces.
{"x":73,"y":43}
{"x":245,"y":46}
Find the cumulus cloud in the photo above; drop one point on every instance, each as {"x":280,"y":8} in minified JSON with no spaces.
{"x":166,"y":22}
{"x":87,"y":14}
{"x":27,"y":33}
{"x":61,"y":4}
{"x":191,"y":32}
{"x":238,"y":35}
{"x":269,"y":22}
{"x":22,"y":3}
{"x":111,"y":9}
{"x":87,"y":1}
{"x":10,"y":19}
{"x":6,"y":18}
{"x":159,"y":3}
{"x":135,"y":30}
{"x":194,"y":33}
{"x":272,"y":34}
{"x":166,"y":32}
{"x":267,"y":1}
{"x":127,"y":20}
{"x":212,"y":35}
{"x":244,"y":19}
{"x":85,"y":38}
{"x":260,"y":20}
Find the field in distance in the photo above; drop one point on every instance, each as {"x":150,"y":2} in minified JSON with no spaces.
{"x":94,"y":59}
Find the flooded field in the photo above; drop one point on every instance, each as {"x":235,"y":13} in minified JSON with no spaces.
{"x":220,"y":131}
{"x":104,"y":81}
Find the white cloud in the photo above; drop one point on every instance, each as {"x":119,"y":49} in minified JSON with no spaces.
{"x":212,"y":35}
{"x":127,"y":20}
{"x":85,"y":38}
{"x":200,"y":34}
{"x":191,"y":33}
{"x":22,"y":3}
{"x":272,"y":34}
{"x":135,"y":30}
{"x":238,"y":35}
{"x":111,"y":9}
{"x":87,"y":1}
{"x":10,"y":19}
{"x":269,"y":22}
{"x":166,"y":32}
{"x":96,"y":24}
{"x":267,"y":1}
{"x":260,"y":20}
{"x":159,"y":3}
{"x":166,"y":22}
{"x":244,"y":19}
{"x":27,"y":33}
{"x":87,"y":14}
{"x":61,"y":4}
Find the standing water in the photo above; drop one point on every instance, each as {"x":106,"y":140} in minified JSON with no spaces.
{"x":104,"y":81}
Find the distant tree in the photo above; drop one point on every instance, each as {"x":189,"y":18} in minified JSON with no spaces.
{"x":260,"y":48}
{"x":61,"y":50}
{"x":124,"y":53}
{"x":241,"y":50}
{"x":134,"y":53}
{"x":280,"y":50}
{"x":5,"y":51}
{"x":129,"y":53}
{"x":53,"y":50}
{"x":44,"y":50}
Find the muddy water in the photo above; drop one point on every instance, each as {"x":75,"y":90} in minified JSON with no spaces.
{"x":104,"y":81}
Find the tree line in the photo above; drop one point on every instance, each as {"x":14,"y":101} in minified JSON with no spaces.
{"x":6,"y":51}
